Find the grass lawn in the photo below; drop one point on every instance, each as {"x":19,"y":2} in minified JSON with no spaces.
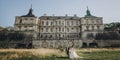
{"x":57,"y":54}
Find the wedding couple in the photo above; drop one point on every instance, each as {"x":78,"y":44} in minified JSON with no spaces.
{"x":70,"y":51}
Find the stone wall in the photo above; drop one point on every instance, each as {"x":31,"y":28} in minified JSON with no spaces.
{"x":103,"y":43}
{"x":56,"y":43}
{"x":108,"y":43}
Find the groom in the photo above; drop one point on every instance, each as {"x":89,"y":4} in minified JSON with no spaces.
{"x":67,"y":51}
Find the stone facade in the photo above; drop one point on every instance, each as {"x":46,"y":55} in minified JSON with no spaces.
{"x":56,"y":43}
{"x":59,"y":27}
{"x":58,"y":30}
{"x":91,"y":25}
{"x":101,"y":43}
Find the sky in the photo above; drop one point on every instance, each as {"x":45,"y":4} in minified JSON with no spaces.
{"x":108,"y":9}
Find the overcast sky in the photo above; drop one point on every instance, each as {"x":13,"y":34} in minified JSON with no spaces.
{"x":108,"y":9}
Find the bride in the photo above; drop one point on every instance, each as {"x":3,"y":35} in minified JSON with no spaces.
{"x":72,"y":53}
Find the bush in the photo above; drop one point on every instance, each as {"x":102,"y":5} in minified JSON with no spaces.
{"x":108,"y":36}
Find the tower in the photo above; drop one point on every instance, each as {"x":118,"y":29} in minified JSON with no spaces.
{"x":88,"y":12}
{"x":91,"y":25}
{"x":26,"y":23}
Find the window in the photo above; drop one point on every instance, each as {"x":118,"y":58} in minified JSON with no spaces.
{"x":63,"y":35}
{"x":59,"y":22}
{"x":51,"y":36}
{"x":98,"y":27}
{"x":31,"y":19}
{"x":92,"y":22}
{"x":92,"y":27}
{"x":20,"y":21}
{"x":45,"y":36}
{"x":63,"y":29}
{"x":42,"y":22}
{"x":46,"y":29}
{"x":59,"y":29}
{"x":71,"y":18}
{"x":76,"y":29}
{"x":56,"y":22}
{"x":67,"y":29}
{"x":77,"y":22}
{"x":56,"y":29}
{"x":47,"y":18}
{"x":25,"y":26}
{"x":97,"y":21}
{"x":87,"y":27}
{"x":51,"y":29}
{"x":51,"y":23}
{"x":41,"y":36}
{"x":68,"y":23}
{"x":46,"y":22}
{"x":72,"y":28}
{"x":25,"y":18}
{"x":62,"y":22}
{"x":41,"y":29}
{"x":72,"y":22}
{"x":19,"y":27}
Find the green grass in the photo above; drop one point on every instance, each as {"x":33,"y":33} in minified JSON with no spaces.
{"x":102,"y":55}
{"x":87,"y":55}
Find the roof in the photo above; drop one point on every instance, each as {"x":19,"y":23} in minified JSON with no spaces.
{"x":88,"y":14}
{"x":59,"y":17}
{"x":30,"y":13}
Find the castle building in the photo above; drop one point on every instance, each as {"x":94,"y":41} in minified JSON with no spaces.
{"x":91,"y":25}
{"x":27,"y":23}
{"x":59,"y":27}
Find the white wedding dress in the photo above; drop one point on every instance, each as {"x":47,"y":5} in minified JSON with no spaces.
{"x":73,"y":54}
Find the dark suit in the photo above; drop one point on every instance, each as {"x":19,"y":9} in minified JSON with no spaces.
{"x":67,"y":51}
